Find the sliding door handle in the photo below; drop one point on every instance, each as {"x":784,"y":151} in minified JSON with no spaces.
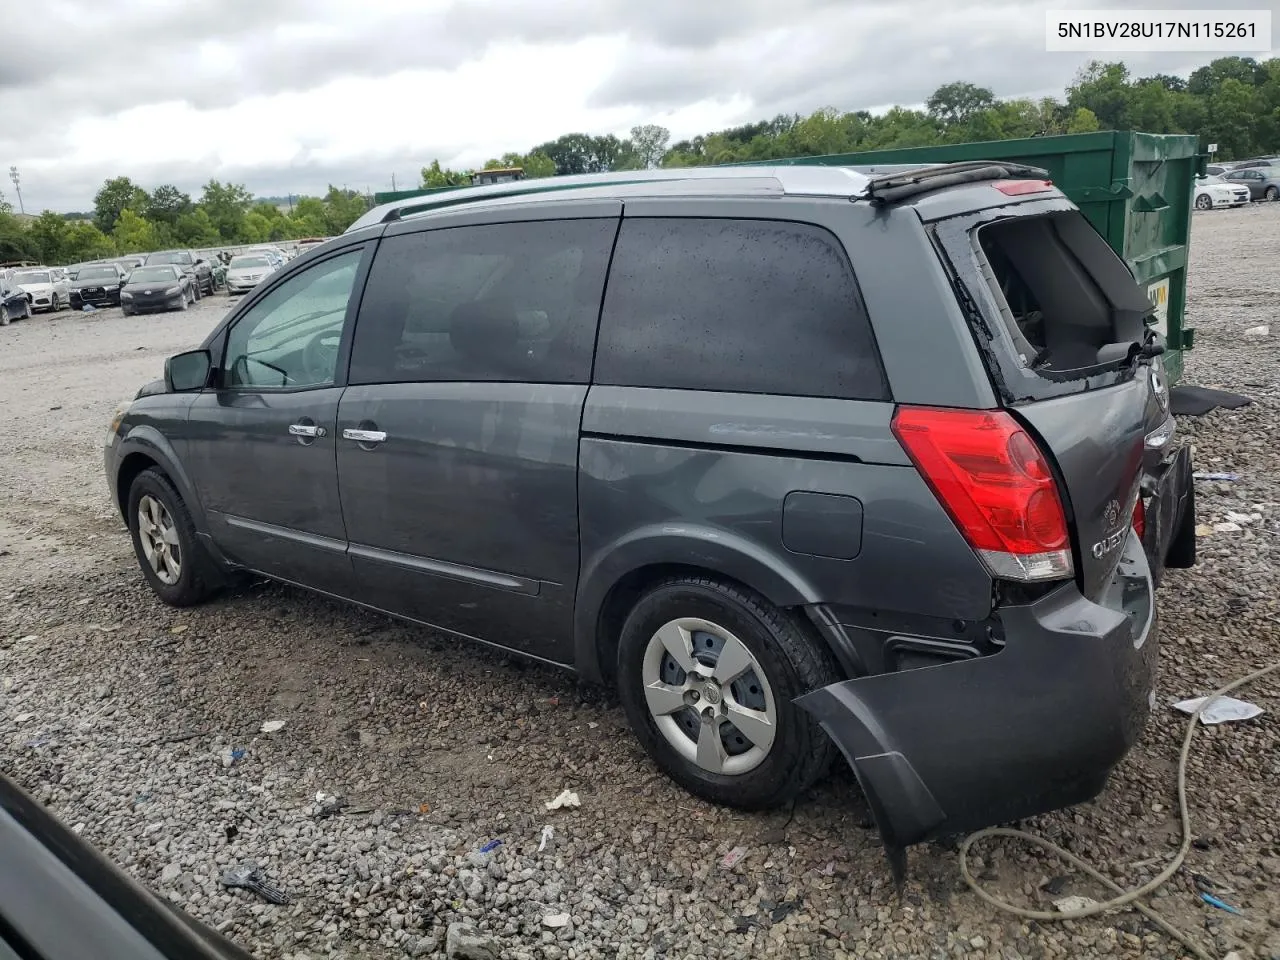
{"x":364,"y":436}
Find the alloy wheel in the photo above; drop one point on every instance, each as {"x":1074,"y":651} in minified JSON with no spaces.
{"x":159,"y":539}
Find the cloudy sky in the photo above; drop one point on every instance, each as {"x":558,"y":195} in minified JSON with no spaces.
{"x":286,"y":96}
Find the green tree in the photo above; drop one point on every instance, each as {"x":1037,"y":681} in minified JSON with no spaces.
{"x":226,"y":204}
{"x":84,"y":241}
{"x":1104,"y":89}
{"x":955,"y":103}
{"x":438,"y":176}
{"x":342,"y":208}
{"x":167,"y":204}
{"x":255,"y":228}
{"x":16,"y":243}
{"x":1083,"y":120}
{"x":49,"y":233}
{"x":117,"y":194}
{"x":134,"y":233}
{"x":195,"y":229}
{"x":649,"y":143}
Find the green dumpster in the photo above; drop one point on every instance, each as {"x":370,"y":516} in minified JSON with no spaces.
{"x":1135,"y":188}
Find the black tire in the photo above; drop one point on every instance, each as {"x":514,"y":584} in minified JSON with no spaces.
{"x":195,"y":291}
{"x":793,"y":663}
{"x":197,"y":580}
{"x":1272,"y":194}
{"x":1203,"y":202}
{"x":126,"y":310}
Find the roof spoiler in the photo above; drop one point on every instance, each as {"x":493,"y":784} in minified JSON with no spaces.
{"x":896,"y":187}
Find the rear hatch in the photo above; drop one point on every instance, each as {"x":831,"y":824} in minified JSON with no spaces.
{"x":1063,"y":329}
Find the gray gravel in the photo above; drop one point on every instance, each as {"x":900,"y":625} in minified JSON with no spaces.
{"x":403,"y":753}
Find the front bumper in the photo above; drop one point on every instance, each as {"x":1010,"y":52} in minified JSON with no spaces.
{"x":1037,"y":725}
{"x":155,"y":304}
{"x":97,"y":296}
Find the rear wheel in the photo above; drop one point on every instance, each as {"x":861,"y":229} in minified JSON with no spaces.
{"x":1203,"y":202}
{"x":707,"y":673}
{"x":164,"y":539}
{"x":1272,"y":194}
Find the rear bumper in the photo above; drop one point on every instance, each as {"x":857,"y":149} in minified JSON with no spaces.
{"x":1034,"y":727}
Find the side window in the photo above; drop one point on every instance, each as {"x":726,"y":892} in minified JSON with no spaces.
{"x":290,"y":337}
{"x":499,"y":302}
{"x":740,"y":306}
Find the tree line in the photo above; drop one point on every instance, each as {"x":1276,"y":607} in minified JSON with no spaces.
{"x":1232,"y":101}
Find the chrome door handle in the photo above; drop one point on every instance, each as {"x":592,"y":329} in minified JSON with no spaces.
{"x":305,"y":430}
{"x":364,"y":436}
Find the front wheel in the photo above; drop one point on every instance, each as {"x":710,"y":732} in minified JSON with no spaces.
{"x":1272,"y":194}
{"x":707,"y":673}
{"x":164,"y":540}
{"x":1203,"y":202}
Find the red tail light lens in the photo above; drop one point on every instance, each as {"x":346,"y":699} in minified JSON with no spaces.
{"x":1140,"y":519}
{"x":1018,"y":188}
{"x":996,"y":485}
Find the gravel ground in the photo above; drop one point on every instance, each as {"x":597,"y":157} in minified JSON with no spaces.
{"x":123,"y":716}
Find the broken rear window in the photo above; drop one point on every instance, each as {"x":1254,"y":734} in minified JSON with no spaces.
{"x":1069,"y":303}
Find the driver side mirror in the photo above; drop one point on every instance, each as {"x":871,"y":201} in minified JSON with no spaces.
{"x":188,"y":371}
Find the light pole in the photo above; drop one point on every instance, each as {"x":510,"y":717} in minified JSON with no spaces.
{"x":17,"y":186}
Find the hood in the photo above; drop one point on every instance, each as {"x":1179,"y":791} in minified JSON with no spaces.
{"x":248,"y":273}
{"x":34,"y":287}
{"x":154,"y":285}
{"x":104,"y":282}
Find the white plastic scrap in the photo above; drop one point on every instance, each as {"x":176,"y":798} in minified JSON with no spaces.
{"x":272,"y":726}
{"x":567,"y":798}
{"x":1259,"y":331}
{"x":733,"y":857}
{"x":1222,"y":710}
{"x":1227,"y":527}
{"x":547,"y":833}
{"x":1072,"y":904}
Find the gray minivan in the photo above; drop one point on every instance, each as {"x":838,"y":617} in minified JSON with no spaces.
{"x":799,"y":459}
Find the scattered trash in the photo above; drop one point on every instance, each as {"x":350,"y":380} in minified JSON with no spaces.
{"x":784,"y":910}
{"x":24,"y":717}
{"x":272,"y":726}
{"x":232,"y":755}
{"x":1222,"y":710}
{"x":491,"y":846}
{"x":1236,"y":517}
{"x":733,"y":857}
{"x":556,"y":920}
{"x":1227,"y":477}
{"x":1055,"y":885}
{"x":829,"y":870}
{"x":90,"y":308}
{"x":327,"y":805}
{"x":1226,"y":526}
{"x":1203,"y":530}
{"x":232,"y":831}
{"x":37,"y":742}
{"x":250,"y":876}
{"x":1213,"y":901}
{"x":424,"y":808}
{"x":567,"y":798}
{"x":1262,"y":330}
{"x":180,"y":628}
{"x":1072,"y":904}
{"x":547,"y":833}
{"x":1205,"y":883}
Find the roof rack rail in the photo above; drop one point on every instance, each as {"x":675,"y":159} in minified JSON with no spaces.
{"x":896,"y":187}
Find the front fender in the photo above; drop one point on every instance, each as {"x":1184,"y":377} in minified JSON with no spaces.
{"x":146,"y":440}
{"x":683,"y":544}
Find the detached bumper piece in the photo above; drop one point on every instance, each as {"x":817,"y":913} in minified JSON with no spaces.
{"x":1037,"y":726}
{"x":1170,"y":496}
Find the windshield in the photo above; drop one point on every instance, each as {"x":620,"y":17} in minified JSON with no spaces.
{"x":31,"y":276}
{"x":153,"y":275}
{"x":245,"y":263}
{"x":96,"y":273}
{"x":183,"y":258}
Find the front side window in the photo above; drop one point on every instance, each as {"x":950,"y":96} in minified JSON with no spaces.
{"x":290,"y":337}
{"x":500,"y":302}
{"x":737,"y":306}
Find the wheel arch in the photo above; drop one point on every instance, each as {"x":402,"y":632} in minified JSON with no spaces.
{"x":143,"y":449}
{"x":615,"y":577}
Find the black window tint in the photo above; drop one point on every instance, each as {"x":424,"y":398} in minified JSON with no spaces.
{"x":741,"y":306}
{"x":511,"y":301}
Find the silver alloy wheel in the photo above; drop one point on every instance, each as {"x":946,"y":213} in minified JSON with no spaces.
{"x":709,"y":696}
{"x":159,"y":538}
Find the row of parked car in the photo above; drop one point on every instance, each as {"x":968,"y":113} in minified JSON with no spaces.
{"x":163,"y":280}
{"x":1235,"y":184}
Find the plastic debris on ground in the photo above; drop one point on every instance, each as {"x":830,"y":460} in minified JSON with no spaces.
{"x":90,"y":308}
{"x":1213,"y":901}
{"x":1071,"y":904}
{"x":1262,"y":330}
{"x":566,"y":798}
{"x":1236,"y":517}
{"x":250,"y":876}
{"x":1227,"y":526}
{"x":24,"y":717}
{"x":733,"y":857}
{"x":491,"y":846}
{"x":1222,"y":710}
{"x":1224,"y":477}
{"x":327,"y":805}
{"x":556,"y":920}
{"x":272,"y":726}
{"x":233,"y":755}
{"x":547,"y":833}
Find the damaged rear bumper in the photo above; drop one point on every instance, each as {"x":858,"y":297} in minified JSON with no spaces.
{"x":1036,"y":726}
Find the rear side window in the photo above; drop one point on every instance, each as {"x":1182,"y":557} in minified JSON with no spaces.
{"x":1068,"y":301}
{"x":499,"y":302}
{"x":739,"y":306}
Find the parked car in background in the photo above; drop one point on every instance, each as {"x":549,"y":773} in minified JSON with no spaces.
{"x":157,"y":287}
{"x":1217,"y":169}
{"x":1211,"y":192}
{"x":246,"y":271}
{"x":796,"y":468}
{"x":197,"y":268}
{"x":1263,"y":182}
{"x":97,"y":284}
{"x":49,"y":289}
{"x":1256,"y":163}
{"x":129,"y":262}
{"x":15,"y":304}
{"x":310,"y":243}
{"x":275,"y":254}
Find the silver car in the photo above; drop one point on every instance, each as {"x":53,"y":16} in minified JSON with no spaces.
{"x":248,"y":270}
{"x":48,"y":287}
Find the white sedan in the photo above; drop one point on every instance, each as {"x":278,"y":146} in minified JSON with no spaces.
{"x":247,"y":271}
{"x":1213,"y":192}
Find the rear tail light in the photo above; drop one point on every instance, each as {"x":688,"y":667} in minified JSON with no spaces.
{"x":996,"y":485}
{"x":1018,"y":188}
{"x":1140,"y":519}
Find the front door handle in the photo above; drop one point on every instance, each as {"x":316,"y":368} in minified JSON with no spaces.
{"x":306,"y":430}
{"x":364,"y":436}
